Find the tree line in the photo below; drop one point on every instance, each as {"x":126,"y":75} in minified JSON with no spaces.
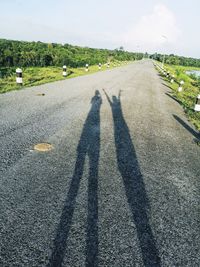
{"x":30,"y":54}
{"x":25,"y":54}
{"x":177,"y":60}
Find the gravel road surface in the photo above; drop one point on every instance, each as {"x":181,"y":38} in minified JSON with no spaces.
{"x":121,"y":186}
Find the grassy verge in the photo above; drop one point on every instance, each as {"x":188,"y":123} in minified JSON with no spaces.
{"x":39,"y":75}
{"x":191,"y":89}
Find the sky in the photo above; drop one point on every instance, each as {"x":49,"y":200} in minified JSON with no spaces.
{"x":165,"y":26}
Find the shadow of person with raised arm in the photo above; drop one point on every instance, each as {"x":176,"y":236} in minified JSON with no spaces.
{"x":134,"y":185}
{"x":89,"y":144}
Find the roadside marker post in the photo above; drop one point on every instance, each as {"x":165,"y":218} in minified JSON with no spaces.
{"x":64,"y":71}
{"x":86,"y":67}
{"x":197,"y":105}
{"x":180,"y":88}
{"x":99,"y":66}
{"x":172,"y":78}
{"x":19,"y":76}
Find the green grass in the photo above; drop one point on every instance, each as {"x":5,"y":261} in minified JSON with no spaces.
{"x":187,"y":97}
{"x":39,"y":75}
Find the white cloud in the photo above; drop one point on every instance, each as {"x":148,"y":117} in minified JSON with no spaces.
{"x":148,"y":32}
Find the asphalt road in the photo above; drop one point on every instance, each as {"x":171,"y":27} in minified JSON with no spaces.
{"x":121,"y":186}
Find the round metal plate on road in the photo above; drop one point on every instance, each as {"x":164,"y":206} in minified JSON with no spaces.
{"x":43,"y":147}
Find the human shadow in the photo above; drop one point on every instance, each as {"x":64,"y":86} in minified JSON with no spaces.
{"x":187,"y":127}
{"x":89,"y":144}
{"x":134,"y":185}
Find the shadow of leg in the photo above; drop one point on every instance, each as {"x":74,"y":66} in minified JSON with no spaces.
{"x":92,"y":220}
{"x":89,"y":144}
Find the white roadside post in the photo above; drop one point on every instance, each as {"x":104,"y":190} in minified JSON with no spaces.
{"x":19,"y":76}
{"x":108,"y":65}
{"x":86,"y":67}
{"x":64,"y":71}
{"x":99,"y":66}
{"x":197,"y":105}
{"x":172,"y":80}
{"x":180,"y":88}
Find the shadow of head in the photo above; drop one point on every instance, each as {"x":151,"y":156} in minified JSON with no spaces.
{"x":97,"y":93}
{"x":96,"y":99}
{"x":115,"y":99}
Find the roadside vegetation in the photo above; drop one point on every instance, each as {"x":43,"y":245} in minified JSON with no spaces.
{"x":39,"y":75}
{"x":191,"y":89}
{"x":42,"y":62}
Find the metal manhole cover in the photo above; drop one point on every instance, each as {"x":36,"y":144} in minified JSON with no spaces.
{"x":43,"y":147}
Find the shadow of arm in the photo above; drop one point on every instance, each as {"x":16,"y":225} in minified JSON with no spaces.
{"x":108,"y":98}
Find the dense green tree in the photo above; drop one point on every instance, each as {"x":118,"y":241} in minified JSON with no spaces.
{"x":24,"y":54}
{"x":177,"y":60}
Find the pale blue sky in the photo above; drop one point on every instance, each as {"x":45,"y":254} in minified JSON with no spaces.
{"x":137,"y":25}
